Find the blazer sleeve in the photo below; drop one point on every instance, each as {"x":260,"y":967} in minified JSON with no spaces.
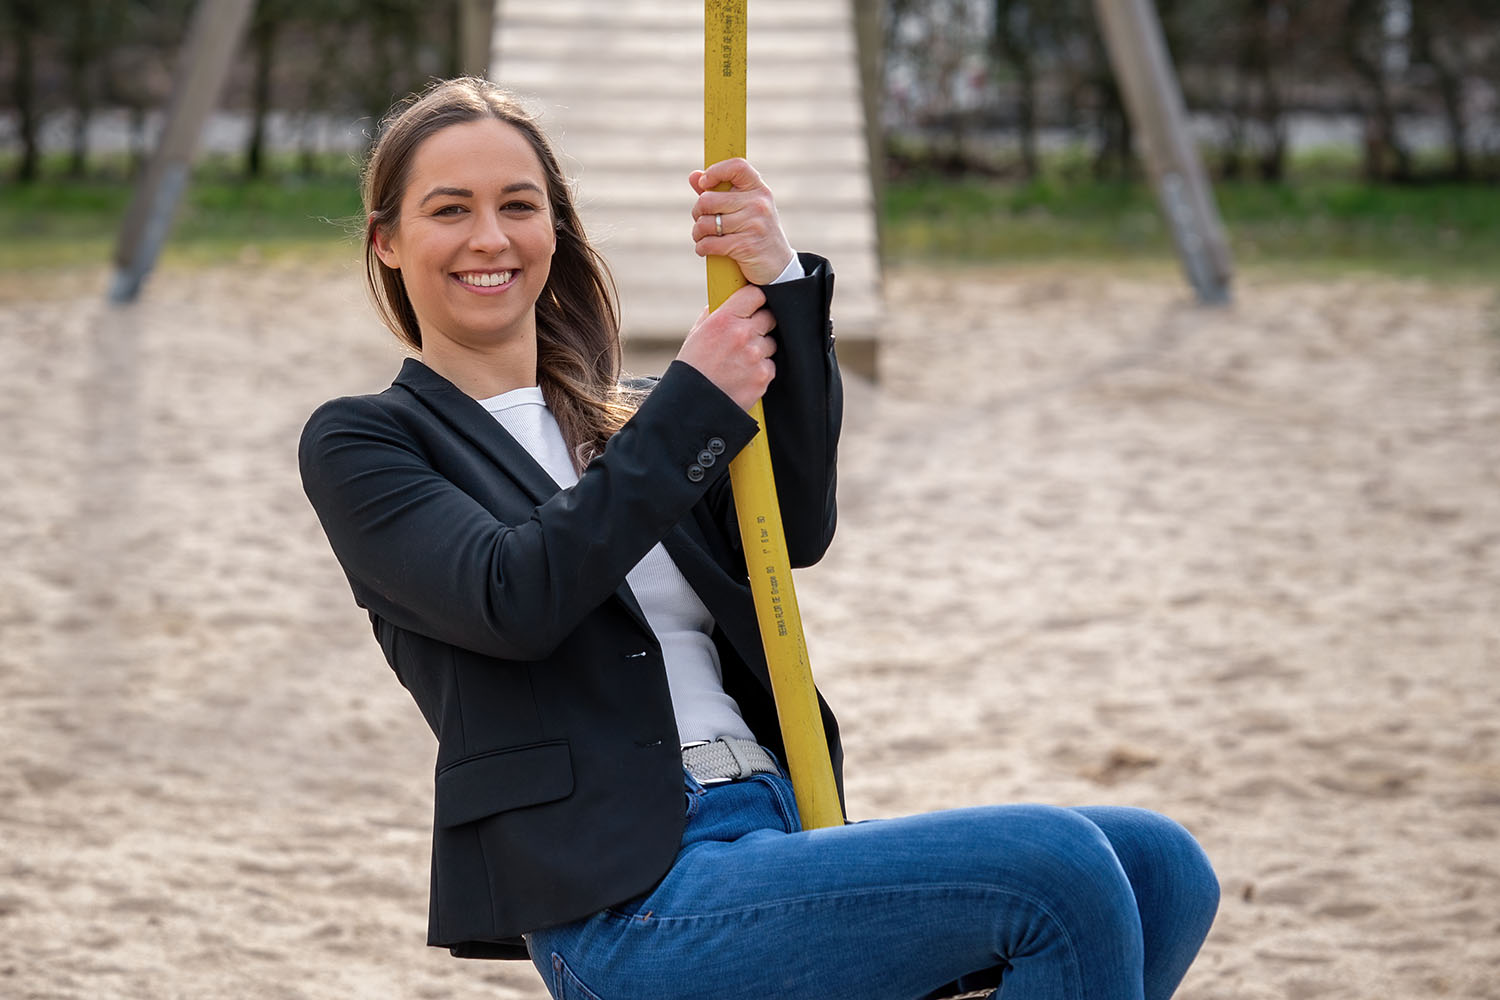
{"x":426,"y":556}
{"x":803,"y":409}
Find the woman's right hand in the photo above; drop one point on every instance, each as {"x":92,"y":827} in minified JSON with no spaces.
{"x":730,"y":346}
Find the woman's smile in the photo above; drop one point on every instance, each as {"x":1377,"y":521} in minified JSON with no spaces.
{"x":487,"y":282}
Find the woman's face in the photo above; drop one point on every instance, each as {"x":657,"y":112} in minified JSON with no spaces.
{"x":475,"y":238}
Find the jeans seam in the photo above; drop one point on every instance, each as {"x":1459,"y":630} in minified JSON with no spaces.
{"x":787,"y":809}
{"x":562,"y":973}
{"x":814,"y":897}
{"x":979,"y":888}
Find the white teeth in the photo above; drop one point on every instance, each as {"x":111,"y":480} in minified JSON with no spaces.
{"x":489,"y":280}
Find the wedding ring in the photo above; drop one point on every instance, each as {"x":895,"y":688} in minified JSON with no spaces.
{"x":718,"y":225}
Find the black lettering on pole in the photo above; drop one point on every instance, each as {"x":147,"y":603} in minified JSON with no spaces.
{"x":726,"y":45}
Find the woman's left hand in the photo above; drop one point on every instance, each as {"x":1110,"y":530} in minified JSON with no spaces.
{"x":740,"y":223}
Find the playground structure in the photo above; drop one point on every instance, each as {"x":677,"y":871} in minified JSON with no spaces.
{"x":634,"y":128}
{"x":631,"y":127}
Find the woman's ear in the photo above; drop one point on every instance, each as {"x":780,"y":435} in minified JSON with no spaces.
{"x":384,"y":248}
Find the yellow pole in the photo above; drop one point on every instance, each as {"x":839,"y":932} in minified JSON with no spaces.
{"x":750,"y":473}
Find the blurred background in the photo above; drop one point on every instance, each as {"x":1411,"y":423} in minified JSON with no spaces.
{"x":1361,"y":132}
{"x":1240,"y":565}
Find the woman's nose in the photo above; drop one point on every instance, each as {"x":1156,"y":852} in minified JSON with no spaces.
{"x":488,"y":234}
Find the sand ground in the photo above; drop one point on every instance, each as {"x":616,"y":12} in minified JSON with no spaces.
{"x":1097,"y":545}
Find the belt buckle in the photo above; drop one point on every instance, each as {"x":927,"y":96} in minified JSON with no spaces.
{"x":705,"y":782}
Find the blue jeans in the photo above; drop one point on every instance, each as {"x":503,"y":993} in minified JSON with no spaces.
{"x":1098,"y":903}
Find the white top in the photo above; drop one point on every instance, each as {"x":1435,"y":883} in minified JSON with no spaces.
{"x":682,"y":624}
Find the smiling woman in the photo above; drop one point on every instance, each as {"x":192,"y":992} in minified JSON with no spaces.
{"x":462,"y":185}
{"x":473,"y":243}
{"x":552,"y":566}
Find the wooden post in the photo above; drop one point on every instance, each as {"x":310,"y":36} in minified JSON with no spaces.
{"x":1138,"y":53}
{"x":207,"y":54}
{"x":476,"y":27}
{"x":869,"y":34}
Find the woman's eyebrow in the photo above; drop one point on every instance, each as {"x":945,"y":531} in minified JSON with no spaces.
{"x":456,"y":192}
{"x":445,"y":192}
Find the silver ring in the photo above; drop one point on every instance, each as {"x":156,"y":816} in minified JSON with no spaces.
{"x":718,"y":225}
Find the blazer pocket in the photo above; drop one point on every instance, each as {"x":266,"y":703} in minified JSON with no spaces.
{"x":485,"y":784}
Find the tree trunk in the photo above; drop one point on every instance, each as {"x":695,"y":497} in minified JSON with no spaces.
{"x":1271,"y":164}
{"x":1450,"y":86}
{"x":1385,"y":156}
{"x":81,"y":56}
{"x":1017,"y":47}
{"x":26,"y":17}
{"x":263,"y":38}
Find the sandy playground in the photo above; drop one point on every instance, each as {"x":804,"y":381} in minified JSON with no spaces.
{"x":1241,"y":566}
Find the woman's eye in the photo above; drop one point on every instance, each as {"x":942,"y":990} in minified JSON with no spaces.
{"x":449,"y":210}
{"x":520,"y":206}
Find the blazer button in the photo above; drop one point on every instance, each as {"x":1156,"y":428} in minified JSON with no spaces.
{"x":716,"y":445}
{"x":695,"y":473}
{"x":705,"y":458}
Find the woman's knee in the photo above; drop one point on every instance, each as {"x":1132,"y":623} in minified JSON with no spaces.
{"x":1161,"y":858}
{"x":1067,"y":861}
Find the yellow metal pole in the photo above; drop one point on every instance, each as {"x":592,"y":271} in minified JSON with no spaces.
{"x":750,"y":473}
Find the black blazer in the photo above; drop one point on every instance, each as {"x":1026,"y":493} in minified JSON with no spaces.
{"x":501,"y":604}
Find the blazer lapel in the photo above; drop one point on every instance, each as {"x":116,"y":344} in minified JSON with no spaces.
{"x":465,"y":415}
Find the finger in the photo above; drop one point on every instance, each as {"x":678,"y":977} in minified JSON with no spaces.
{"x":708,"y":227}
{"x":736,"y":172}
{"x":745,"y":301}
{"x":727,"y":203}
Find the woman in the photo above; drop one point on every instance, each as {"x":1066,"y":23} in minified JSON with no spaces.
{"x":550,"y":563}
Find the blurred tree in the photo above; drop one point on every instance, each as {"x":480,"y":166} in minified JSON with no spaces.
{"x":941,"y":58}
{"x":1367,"y":33}
{"x":1450,"y":39}
{"x":394,"y":31}
{"x":144,"y":42}
{"x":83,"y":54}
{"x":27,"y":20}
{"x":1018,"y":40}
{"x":1259,"y":33}
{"x":327,"y":75}
{"x":270,"y":17}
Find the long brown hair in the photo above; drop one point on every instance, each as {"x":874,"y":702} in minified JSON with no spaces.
{"x":577,"y":319}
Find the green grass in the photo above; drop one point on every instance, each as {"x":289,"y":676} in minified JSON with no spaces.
{"x":59,"y":223}
{"x":1318,"y":223}
{"x":1437,"y":230}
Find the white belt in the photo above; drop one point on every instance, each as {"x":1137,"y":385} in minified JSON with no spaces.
{"x":727,"y":759}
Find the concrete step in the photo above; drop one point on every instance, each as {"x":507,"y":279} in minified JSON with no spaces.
{"x":587,"y":152}
{"x":674,"y":15}
{"x":821,"y":232}
{"x":803,"y":78}
{"x":677,"y":111}
{"x":666,"y":188}
{"x":619,"y":86}
{"x":585,"y":44}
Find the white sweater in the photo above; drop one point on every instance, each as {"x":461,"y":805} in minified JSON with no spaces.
{"x":682,"y":624}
